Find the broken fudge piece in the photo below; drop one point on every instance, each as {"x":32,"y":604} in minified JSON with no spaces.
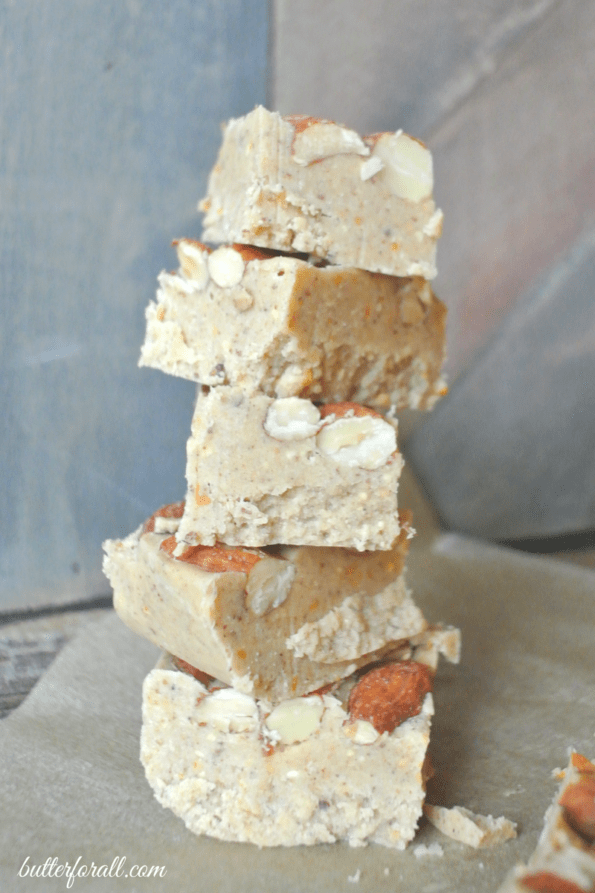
{"x":468,"y":827}
{"x":564,"y":859}
{"x":343,"y":765}
{"x":262,"y":321}
{"x":263,"y":471}
{"x":306,"y":185}
{"x":272,"y":623}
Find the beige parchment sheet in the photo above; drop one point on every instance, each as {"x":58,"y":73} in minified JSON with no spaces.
{"x":72,"y":787}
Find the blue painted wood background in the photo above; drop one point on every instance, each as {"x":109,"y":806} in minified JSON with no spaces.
{"x":109,"y":119}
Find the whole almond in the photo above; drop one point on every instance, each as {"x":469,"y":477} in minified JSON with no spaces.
{"x":214,"y":559}
{"x":355,"y":436}
{"x":390,"y":694}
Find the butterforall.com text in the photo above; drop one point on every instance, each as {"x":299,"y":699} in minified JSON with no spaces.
{"x":52,"y":867}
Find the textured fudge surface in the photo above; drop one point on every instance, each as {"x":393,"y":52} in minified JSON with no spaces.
{"x":315,"y":187}
{"x":340,"y":610}
{"x":246,"y":487}
{"x":564,"y":859}
{"x":285,"y":327}
{"x":211,"y":758}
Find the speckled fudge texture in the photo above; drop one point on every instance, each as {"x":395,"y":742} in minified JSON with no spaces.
{"x":305,"y":185}
{"x":212,"y":759}
{"x":248,"y":487}
{"x":278,"y":324}
{"x":298,"y":618}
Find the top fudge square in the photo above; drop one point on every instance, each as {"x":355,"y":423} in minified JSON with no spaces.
{"x":307,"y":185}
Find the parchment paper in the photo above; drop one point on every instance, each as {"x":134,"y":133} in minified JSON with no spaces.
{"x":71,"y":784}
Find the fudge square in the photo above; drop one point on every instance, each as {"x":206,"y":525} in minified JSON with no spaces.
{"x":262,"y":471}
{"x":265,"y":321}
{"x":307,"y":185}
{"x":322,"y":612}
{"x":348,"y":765}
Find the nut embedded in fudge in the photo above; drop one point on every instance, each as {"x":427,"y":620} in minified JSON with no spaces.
{"x":264,"y":321}
{"x":333,"y":482}
{"x":306,"y":185}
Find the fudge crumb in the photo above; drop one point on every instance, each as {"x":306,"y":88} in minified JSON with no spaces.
{"x":467,"y":827}
{"x":434,"y":849}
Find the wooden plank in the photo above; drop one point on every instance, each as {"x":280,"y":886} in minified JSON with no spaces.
{"x":28,"y":647}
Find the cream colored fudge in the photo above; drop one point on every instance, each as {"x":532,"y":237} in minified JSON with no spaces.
{"x":564,"y":859}
{"x":262,"y":471}
{"x":278,"y":324}
{"x":307,"y":185}
{"x":344,"y":765}
{"x":272,"y":623}
{"x":478,"y":831}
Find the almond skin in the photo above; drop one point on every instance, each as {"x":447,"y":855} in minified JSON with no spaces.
{"x":185,"y":667}
{"x":390,"y":694}
{"x":200,"y":245}
{"x":582,"y":764}
{"x":214,"y":559}
{"x":546,"y":882}
{"x":323,"y":690}
{"x":578,"y":802}
{"x":302,"y":122}
{"x":341,"y":409}
{"x":250,"y":252}
{"x":173,"y":510}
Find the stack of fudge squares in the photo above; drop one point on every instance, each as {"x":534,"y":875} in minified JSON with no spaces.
{"x":292,"y":703}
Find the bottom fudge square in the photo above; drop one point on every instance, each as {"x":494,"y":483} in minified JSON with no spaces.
{"x":262,"y":471}
{"x":345,"y":764}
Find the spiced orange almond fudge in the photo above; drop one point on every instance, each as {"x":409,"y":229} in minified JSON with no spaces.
{"x":345,"y":764}
{"x":264,"y":321}
{"x":273,"y":623}
{"x":303,"y":184}
{"x":262,"y":471}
